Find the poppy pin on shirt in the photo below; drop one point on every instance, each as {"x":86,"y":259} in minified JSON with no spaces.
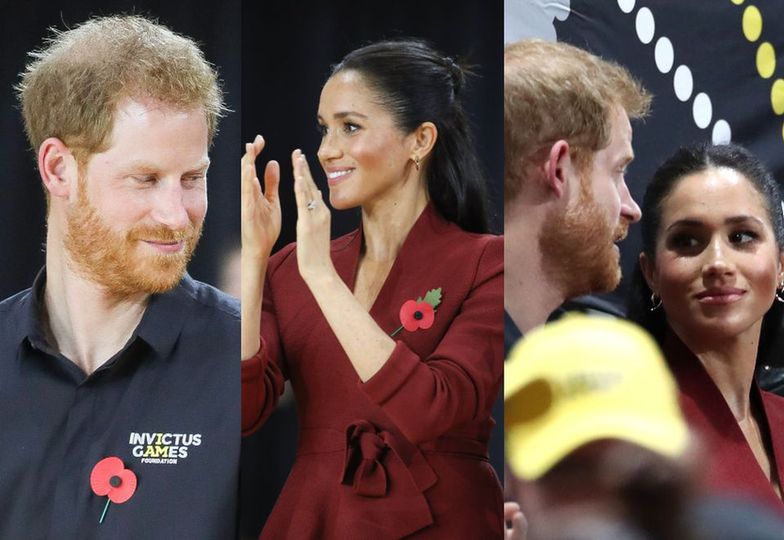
{"x":110,"y":477}
{"x":419,"y":313}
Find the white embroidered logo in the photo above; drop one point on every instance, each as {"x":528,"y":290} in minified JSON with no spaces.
{"x":162,"y":448}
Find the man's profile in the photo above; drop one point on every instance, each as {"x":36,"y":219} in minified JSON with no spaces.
{"x":567,"y":143}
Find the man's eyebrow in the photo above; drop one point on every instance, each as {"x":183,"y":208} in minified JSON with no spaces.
{"x":145,"y":167}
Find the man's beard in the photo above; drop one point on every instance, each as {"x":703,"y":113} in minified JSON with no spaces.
{"x":116,"y":260}
{"x":578,"y":248}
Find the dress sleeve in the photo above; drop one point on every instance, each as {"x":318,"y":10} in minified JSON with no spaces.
{"x":460,"y":380}
{"x":262,"y":376}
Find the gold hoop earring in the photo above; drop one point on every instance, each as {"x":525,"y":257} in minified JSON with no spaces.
{"x":656,"y":301}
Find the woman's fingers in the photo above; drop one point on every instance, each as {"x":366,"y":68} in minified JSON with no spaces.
{"x":519,"y":525}
{"x":299,"y":186}
{"x":305,"y":189}
{"x":250,"y":182}
{"x":271,"y":180}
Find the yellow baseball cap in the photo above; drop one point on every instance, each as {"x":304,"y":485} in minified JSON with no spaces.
{"x":582,"y":379}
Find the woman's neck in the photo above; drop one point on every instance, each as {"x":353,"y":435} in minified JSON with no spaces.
{"x":386,"y":224}
{"x":731,"y":364}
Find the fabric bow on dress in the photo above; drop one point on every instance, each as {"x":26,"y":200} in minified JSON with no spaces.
{"x":386,"y":476}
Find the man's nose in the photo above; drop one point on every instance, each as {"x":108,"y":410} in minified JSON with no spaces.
{"x":170,"y":207}
{"x":630,"y":211}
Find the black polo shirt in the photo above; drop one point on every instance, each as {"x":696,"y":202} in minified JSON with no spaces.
{"x":167,"y":404}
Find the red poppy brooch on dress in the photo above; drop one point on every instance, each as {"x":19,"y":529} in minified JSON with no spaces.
{"x":419,"y":313}
{"x":111,"y":478}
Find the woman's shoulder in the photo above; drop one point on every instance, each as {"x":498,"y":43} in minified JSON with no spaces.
{"x":463,"y":243}
{"x":450,"y":234}
{"x":773,"y":401}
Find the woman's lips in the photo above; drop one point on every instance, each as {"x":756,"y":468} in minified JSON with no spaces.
{"x":720,"y":296}
{"x":338,"y":175}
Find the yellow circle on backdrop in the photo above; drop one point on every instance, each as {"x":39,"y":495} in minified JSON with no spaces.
{"x":752,"y":23}
{"x":777,"y":96}
{"x":766,"y":60}
{"x":737,"y":2}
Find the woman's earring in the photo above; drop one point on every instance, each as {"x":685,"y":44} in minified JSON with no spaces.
{"x":780,"y":293}
{"x":416,"y":162}
{"x":656,"y":301}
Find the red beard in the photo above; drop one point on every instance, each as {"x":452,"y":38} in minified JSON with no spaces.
{"x":116,"y":260}
{"x":578,"y":248}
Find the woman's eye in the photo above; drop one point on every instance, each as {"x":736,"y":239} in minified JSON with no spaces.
{"x":322,"y":129}
{"x":743,"y":237}
{"x":349,"y":128}
{"x":683,"y":241}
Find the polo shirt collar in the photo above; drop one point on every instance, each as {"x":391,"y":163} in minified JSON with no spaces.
{"x":29,"y":323}
{"x":159,"y":327}
{"x":164,"y":317}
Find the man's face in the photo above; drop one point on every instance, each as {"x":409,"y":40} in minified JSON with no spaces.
{"x":579,"y":245}
{"x":606,"y":175}
{"x":137,"y":214}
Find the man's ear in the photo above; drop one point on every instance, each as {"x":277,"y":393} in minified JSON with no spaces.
{"x":58,"y":168}
{"x":559,"y":168}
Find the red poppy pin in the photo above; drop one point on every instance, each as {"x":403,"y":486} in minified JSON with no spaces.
{"x":111,"y":478}
{"x":419,"y":313}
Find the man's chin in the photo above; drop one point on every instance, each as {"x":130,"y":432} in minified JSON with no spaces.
{"x":160,"y":275}
{"x":599,"y":279}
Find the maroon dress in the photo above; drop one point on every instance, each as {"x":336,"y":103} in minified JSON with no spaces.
{"x":405,"y":453}
{"x":731,"y":465}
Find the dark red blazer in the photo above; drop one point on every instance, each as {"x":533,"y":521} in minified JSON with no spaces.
{"x":731,"y":466}
{"x":404,"y":453}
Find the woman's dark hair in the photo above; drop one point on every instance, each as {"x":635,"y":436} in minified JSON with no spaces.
{"x":686,"y":161}
{"x":417,"y":84}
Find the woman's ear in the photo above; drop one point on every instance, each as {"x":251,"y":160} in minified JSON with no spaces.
{"x":649,"y":273}
{"x":781,"y":269}
{"x":424,"y":139}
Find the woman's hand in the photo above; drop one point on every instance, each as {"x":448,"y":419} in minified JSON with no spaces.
{"x":260,"y":215}
{"x":513,"y":516}
{"x":313,"y":225}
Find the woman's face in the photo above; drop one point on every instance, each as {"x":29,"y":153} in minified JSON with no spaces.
{"x":365,"y":156}
{"x":717,"y":265}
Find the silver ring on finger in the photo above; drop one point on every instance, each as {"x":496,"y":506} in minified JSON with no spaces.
{"x":311,"y":204}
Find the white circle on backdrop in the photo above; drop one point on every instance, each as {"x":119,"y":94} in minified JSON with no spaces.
{"x":722,"y":134}
{"x":683,"y":83}
{"x":626,"y":5}
{"x":702,"y":110}
{"x":645,"y":25}
{"x":664,"y":54}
